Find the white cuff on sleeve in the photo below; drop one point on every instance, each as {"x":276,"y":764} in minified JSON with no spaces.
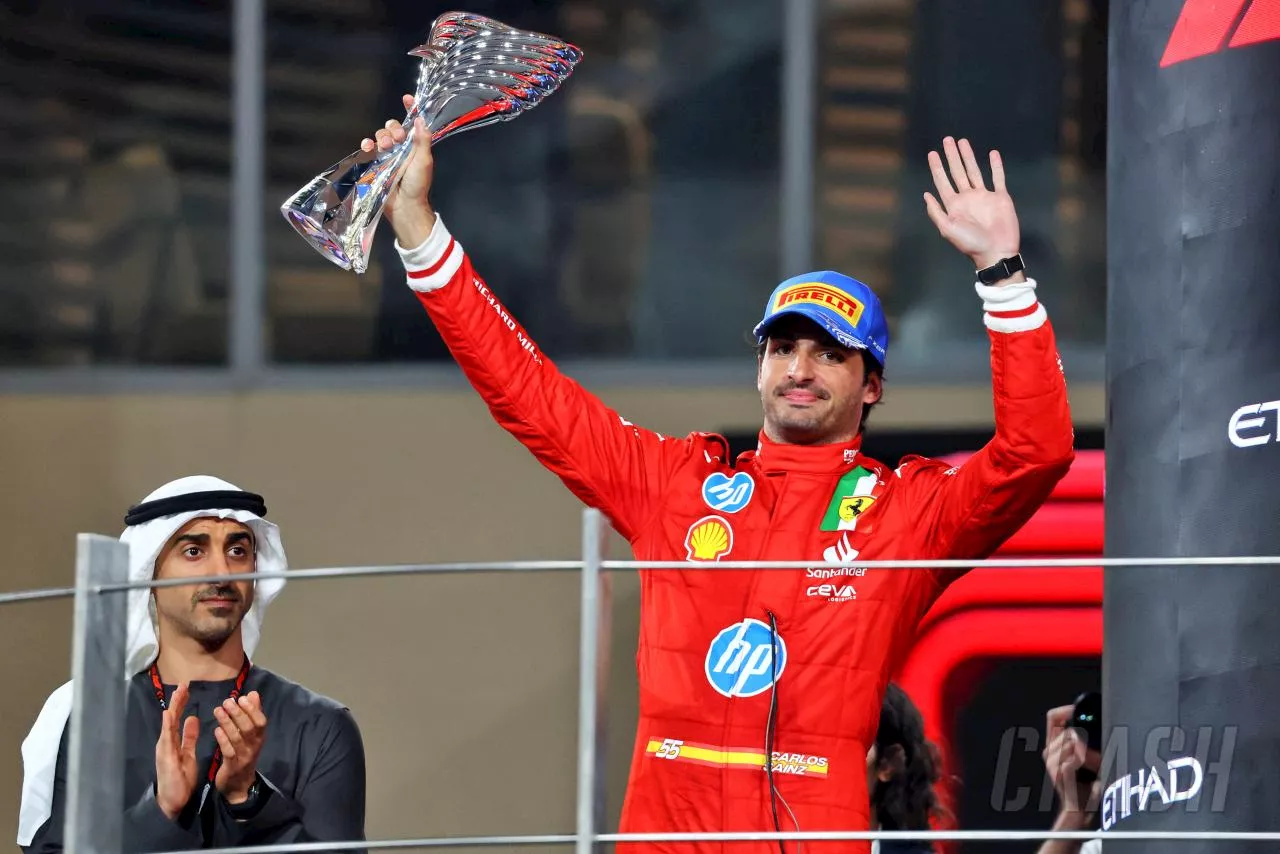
{"x":430,"y":265}
{"x":1007,"y":297}
{"x":1011,"y":308}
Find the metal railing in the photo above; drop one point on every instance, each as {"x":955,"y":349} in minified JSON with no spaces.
{"x":94,"y":817}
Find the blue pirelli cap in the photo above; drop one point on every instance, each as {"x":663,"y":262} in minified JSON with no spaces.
{"x":846,"y":308}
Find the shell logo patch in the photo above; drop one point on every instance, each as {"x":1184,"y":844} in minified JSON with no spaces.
{"x":709,"y":538}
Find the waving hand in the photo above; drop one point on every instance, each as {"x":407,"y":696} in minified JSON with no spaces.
{"x":979,"y":222}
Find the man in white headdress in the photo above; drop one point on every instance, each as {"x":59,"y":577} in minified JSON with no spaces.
{"x":219,"y":752}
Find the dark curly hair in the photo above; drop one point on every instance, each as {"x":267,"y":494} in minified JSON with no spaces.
{"x":908,"y":800}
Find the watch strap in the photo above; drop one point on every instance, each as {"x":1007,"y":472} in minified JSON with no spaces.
{"x":1001,"y":270}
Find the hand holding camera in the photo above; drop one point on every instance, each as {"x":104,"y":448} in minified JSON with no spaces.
{"x":1072,"y":756}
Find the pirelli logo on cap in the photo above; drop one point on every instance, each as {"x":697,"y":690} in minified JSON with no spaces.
{"x":814,"y":293}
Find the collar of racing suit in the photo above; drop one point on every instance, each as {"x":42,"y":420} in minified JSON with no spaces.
{"x":775,"y":456}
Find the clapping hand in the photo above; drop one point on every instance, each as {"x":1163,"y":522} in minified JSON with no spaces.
{"x":241,"y":731}
{"x":176,"y":756}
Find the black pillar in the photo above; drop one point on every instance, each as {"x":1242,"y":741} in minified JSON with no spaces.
{"x":1191,"y":669}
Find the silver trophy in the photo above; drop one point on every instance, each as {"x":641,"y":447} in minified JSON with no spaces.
{"x":475,"y":71}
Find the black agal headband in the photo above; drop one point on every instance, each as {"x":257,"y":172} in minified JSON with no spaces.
{"x":217,"y":499}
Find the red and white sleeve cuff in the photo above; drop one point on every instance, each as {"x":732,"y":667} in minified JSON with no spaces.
{"x":430,"y":265}
{"x":1011,"y":308}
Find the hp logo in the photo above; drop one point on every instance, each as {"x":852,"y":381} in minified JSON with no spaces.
{"x":740,"y":659}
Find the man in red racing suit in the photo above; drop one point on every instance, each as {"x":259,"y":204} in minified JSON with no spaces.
{"x":739,"y":665}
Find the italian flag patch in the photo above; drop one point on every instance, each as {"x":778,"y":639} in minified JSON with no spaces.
{"x":851,"y":499}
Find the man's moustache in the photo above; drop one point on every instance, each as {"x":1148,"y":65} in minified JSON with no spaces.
{"x":820,"y":393}
{"x":219,"y":593}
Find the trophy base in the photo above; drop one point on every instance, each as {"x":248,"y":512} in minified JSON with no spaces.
{"x":324,"y":243}
{"x":338,"y":211}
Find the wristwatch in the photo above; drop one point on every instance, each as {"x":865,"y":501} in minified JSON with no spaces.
{"x":1001,"y":270}
{"x":249,"y":807}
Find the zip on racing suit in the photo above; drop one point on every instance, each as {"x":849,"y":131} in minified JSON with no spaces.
{"x":737,"y":665}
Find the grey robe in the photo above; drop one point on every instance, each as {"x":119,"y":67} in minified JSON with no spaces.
{"x":311,"y":769}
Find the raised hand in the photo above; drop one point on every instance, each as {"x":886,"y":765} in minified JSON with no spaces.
{"x":241,"y":731}
{"x":979,"y":222}
{"x":406,"y":207}
{"x":176,"y":756}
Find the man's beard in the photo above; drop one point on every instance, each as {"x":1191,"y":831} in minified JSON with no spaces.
{"x":797,"y":422}
{"x":812,"y":424}
{"x":211,"y":630}
{"x":213,"y":636}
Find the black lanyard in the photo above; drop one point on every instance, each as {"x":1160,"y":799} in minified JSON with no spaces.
{"x":235,"y":694}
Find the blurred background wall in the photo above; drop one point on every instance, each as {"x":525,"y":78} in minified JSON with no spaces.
{"x":632,"y":222}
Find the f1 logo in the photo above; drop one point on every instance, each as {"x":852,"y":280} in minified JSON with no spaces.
{"x":1204,"y":25}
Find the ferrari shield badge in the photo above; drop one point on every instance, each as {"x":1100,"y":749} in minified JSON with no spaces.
{"x":852,"y":498}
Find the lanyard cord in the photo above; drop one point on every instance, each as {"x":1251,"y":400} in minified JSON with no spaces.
{"x":158,"y":686}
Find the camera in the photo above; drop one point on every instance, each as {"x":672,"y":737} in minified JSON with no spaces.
{"x":1086,"y":715}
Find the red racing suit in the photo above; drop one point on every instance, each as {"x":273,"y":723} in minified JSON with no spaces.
{"x":736,"y":665}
